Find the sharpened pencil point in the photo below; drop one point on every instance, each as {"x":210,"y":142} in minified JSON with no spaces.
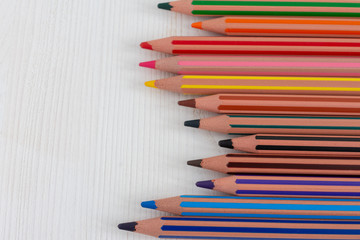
{"x":146,"y":45}
{"x":165,"y":6}
{"x":130,"y":226}
{"x":150,"y":64}
{"x":192,"y":123}
{"x":226,"y":144}
{"x":206,"y":184}
{"x":150,"y":84}
{"x":197,"y":25}
{"x":149,"y":204}
{"x":188,"y":103}
{"x":195,"y":163}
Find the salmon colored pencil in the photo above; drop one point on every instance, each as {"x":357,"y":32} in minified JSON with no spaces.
{"x":252,"y":124}
{"x":285,"y":186}
{"x":202,"y":85}
{"x":320,"y":145}
{"x":242,"y":163}
{"x":318,"y":8}
{"x":244,"y":228}
{"x":258,"y":65}
{"x":256,"y":46}
{"x":258,"y":207}
{"x":282,"y":26}
{"x":261,"y":104}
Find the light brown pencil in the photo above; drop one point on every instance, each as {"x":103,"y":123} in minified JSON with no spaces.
{"x":289,"y":145}
{"x":270,"y":104}
{"x":256,"y":46}
{"x":243,"y":163}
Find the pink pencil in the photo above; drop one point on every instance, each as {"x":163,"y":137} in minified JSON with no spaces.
{"x":258,"y":65}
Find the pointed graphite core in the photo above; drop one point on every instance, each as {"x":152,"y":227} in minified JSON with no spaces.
{"x":150,"y":64}
{"x":146,"y":45}
{"x":149,"y":204}
{"x":193,"y":123}
{"x":197,"y":25}
{"x":150,"y":84}
{"x":226,"y":144}
{"x":206,"y":184}
{"x":130,"y":226}
{"x":165,"y":6}
{"x":188,"y":103}
{"x":195,"y":163}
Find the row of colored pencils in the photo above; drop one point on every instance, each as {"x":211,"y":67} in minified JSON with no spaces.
{"x":288,"y":80}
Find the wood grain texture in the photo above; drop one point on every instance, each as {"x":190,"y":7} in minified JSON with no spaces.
{"x":82,"y":141}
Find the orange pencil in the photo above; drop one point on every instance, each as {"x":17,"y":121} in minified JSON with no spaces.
{"x":242,"y":163}
{"x":282,"y":26}
{"x":289,"y":145}
{"x":261,"y":104}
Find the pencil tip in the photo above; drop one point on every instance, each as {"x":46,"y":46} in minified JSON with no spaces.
{"x":149,"y":204}
{"x":165,"y":6}
{"x":146,"y":45}
{"x":195,"y":163}
{"x":206,"y":184}
{"x":226,"y":144}
{"x":150,"y":64}
{"x":197,"y":25}
{"x":188,"y":103}
{"x":150,"y":84}
{"x":130,"y":226}
{"x":192,"y":123}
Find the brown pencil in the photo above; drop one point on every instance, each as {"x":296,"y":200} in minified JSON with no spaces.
{"x":285,"y":186}
{"x":242,"y":163}
{"x":261,"y":104}
{"x":282,"y":26}
{"x":256,"y":46}
{"x":289,"y":145}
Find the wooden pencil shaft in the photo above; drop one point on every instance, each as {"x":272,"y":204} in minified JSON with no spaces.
{"x":256,"y":45}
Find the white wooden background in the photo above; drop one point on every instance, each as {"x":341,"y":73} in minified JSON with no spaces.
{"x":83,"y":142}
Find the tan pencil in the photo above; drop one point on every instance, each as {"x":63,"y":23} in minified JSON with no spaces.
{"x":203,"y":85}
{"x":242,"y":163}
{"x":256,"y":46}
{"x":282,"y":26}
{"x":285,"y":186}
{"x":244,"y":228}
{"x":253,"y":124}
{"x":258,"y":65}
{"x":289,"y":145}
{"x":261,"y":104}
{"x":258,"y":207}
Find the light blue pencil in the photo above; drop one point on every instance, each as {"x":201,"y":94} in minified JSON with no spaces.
{"x":259,"y":207}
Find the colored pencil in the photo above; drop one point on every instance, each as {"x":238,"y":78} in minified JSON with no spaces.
{"x":320,"y":145}
{"x":244,"y":228}
{"x":318,"y":8}
{"x":288,"y":186}
{"x":280,"y":165}
{"x":261,"y":104}
{"x":258,"y":65}
{"x":250,"y":124}
{"x":258,"y":207}
{"x":202,"y":85}
{"x":282,"y":26}
{"x":256,"y":46}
